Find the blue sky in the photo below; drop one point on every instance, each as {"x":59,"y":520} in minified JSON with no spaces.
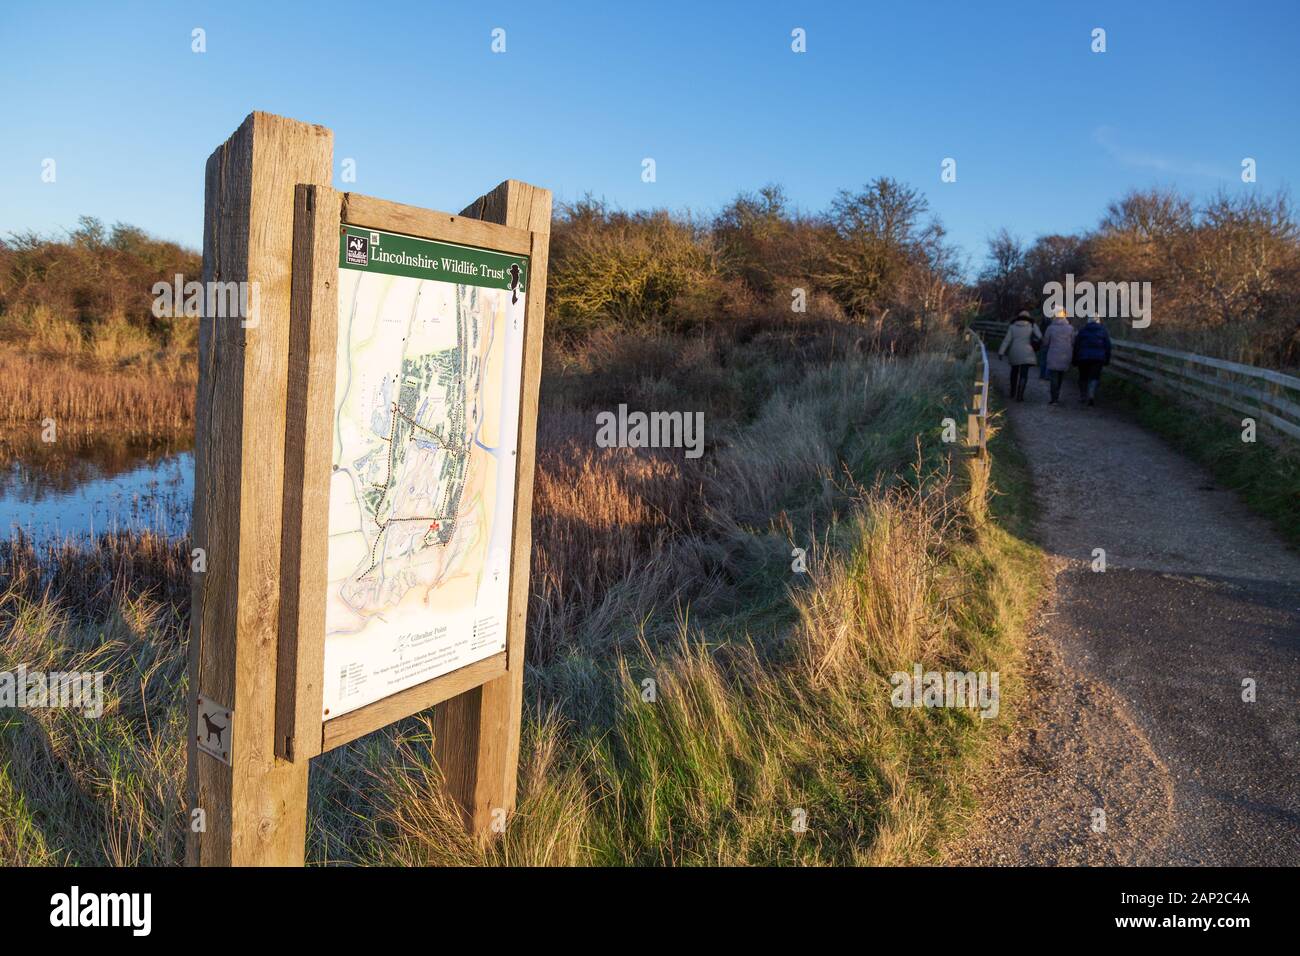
{"x":1044,"y":131}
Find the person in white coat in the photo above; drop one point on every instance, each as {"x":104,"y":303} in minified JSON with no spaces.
{"x":1018,"y":348}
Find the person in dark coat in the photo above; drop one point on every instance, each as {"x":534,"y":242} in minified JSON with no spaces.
{"x":1091,"y":354}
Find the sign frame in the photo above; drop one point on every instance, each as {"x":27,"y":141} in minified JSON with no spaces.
{"x":266,"y":387}
{"x":320,"y":213}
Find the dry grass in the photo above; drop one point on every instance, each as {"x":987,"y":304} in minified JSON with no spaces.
{"x":105,"y":790}
{"x":598,"y":514}
{"x":152,"y":398}
{"x":771,"y":691}
{"x":80,"y":345}
{"x":89,"y":404}
{"x":121,"y":566}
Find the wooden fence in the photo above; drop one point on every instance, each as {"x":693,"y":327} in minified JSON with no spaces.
{"x":1267,"y":396}
{"x":977,"y":423}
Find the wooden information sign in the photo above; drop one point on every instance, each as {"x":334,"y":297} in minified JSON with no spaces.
{"x":363,"y":485}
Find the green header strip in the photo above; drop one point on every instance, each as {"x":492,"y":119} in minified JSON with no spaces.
{"x":371,"y":250}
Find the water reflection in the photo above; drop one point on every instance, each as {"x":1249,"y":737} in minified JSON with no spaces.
{"x":96,"y":489}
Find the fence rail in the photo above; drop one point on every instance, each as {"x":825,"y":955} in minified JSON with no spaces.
{"x":977,"y":423}
{"x":1266,"y":395}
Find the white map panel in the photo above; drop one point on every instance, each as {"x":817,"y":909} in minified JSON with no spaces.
{"x":422,"y":490}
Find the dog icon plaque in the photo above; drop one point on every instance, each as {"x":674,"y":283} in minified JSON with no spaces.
{"x":213,"y":728}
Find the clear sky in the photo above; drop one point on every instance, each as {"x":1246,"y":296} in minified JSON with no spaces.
{"x":1044,"y":131}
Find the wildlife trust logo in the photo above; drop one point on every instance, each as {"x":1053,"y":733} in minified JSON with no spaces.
{"x":358,"y":252}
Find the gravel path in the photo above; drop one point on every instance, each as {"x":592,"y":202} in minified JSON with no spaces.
{"x":1135,"y":675}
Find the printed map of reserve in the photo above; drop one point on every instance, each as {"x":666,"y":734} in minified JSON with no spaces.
{"x":426,"y":419}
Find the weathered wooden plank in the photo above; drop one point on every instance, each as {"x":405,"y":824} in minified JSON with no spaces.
{"x":1289,"y":410}
{"x":1251,"y":371}
{"x":1161,"y":381}
{"x":255,"y":807}
{"x":477,"y":733}
{"x":340,"y":730}
{"x":309,"y":443}
{"x":375,"y":213}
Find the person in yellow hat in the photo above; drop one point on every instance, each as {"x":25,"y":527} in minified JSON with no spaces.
{"x":1058,"y":346}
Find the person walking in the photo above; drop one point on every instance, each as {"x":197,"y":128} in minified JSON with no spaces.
{"x":1091,"y":354}
{"x":1043,"y":324}
{"x":1058,"y":347}
{"x":1018,"y":348}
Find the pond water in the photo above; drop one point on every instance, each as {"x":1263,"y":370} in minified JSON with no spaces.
{"x":97,"y":489}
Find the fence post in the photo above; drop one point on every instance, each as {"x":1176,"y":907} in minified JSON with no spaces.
{"x":977,"y":419}
{"x":248,"y":807}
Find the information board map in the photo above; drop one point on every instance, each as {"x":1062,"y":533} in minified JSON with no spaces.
{"x":426,"y":420}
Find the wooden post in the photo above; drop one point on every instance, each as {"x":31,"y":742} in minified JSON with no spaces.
{"x":477,"y":732}
{"x":254,"y":807}
{"x":308,"y":442}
